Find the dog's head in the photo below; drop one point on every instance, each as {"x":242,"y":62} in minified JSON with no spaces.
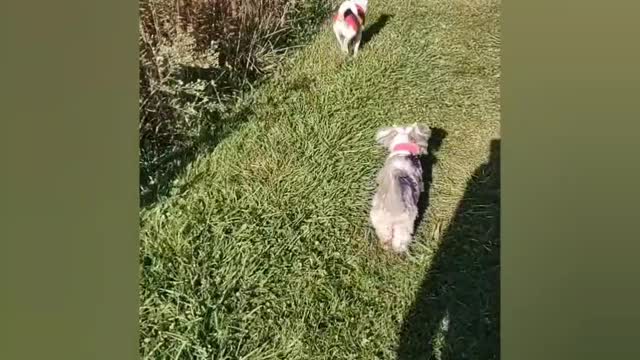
{"x":413,"y":138}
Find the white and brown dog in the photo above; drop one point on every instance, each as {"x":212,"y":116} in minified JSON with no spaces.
{"x":395,"y":204}
{"x":348,"y":24}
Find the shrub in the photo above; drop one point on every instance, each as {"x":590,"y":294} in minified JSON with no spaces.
{"x":196,"y":58}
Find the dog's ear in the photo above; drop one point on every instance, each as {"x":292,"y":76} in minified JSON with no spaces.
{"x":385,"y":135}
{"x":421,"y":131}
{"x":420,"y":135}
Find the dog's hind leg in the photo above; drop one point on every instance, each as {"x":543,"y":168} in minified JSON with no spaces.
{"x":338,"y":38}
{"x":356,"y":43}
{"x":385,"y":236}
{"x":344,"y":45}
{"x":384,"y":230}
{"x":401,"y":238}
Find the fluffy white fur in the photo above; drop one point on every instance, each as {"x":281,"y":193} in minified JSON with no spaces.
{"x":395,"y":204}
{"x":348,"y":37}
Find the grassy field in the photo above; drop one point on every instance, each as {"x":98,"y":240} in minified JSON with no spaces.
{"x":265,"y":252}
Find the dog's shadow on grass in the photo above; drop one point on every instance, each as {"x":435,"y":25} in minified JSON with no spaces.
{"x":373,"y":29}
{"x":427,"y":162}
{"x":455,"y":315}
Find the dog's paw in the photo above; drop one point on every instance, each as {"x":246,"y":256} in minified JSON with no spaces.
{"x":385,"y":244}
{"x":400,"y":248}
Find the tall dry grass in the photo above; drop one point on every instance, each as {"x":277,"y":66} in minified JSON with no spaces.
{"x":196,"y":57}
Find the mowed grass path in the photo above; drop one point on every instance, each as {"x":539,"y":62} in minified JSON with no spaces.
{"x":266,"y":253}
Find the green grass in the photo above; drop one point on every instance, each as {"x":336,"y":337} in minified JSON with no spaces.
{"x":266,"y":252}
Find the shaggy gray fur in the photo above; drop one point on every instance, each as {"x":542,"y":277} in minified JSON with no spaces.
{"x":395,"y":204}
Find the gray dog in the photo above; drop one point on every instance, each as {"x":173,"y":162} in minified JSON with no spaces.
{"x":395,"y":204}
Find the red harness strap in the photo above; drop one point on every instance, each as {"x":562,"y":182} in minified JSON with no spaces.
{"x":361,"y":13}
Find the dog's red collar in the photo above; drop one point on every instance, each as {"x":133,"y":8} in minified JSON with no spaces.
{"x":412,"y":148}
